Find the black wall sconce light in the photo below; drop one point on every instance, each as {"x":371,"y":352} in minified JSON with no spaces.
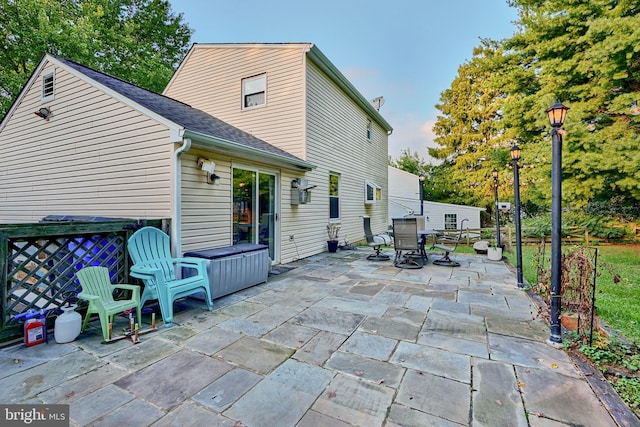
{"x":212,"y":178}
{"x":209,"y":167}
{"x":43,"y":112}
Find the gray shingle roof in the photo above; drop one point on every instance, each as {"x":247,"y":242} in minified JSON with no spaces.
{"x":180,"y":113}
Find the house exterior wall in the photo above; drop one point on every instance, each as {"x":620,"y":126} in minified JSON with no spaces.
{"x":210,"y":79}
{"x":94,"y":156}
{"x":306,"y":114}
{"x":207,"y":209}
{"x":337,"y":143}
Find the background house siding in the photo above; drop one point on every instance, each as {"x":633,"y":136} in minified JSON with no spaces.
{"x":210,"y":79}
{"x":405,"y":200}
{"x":94,"y":156}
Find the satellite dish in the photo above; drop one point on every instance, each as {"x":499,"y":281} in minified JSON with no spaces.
{"x":377,"y":102}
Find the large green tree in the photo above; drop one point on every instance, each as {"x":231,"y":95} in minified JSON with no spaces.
{"x":586,"y":54}
{"x":140,"y":41}
{"x":470,"y":131}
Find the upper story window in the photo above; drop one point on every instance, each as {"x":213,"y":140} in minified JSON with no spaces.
{"x":369,"y":129}
{"x":48,"y":84}
{"x":254,"y":91}
{"x":334,"y":196}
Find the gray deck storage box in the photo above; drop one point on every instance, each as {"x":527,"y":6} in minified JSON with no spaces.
{"x":233,"y":268}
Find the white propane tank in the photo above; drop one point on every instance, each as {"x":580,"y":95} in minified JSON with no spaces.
{"x":68,"y":325}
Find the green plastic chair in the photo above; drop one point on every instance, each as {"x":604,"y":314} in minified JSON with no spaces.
{"x":150,"y":252}
{"x":98,"y":290}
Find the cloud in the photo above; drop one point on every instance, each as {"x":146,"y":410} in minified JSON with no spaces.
{"x":411,"y":133}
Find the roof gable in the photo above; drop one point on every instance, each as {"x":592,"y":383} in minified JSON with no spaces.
{"x":314,"y":55}
{"x":193,"y":122}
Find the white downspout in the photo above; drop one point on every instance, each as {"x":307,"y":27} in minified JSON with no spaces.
{"x":176,"y":223}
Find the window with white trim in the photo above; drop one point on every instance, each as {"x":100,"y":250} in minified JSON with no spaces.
{"x":450,"y":221}
{"x":334,"y":196}
{"x":48,"y":85}
{"x":254,"y":91}
{"x":372,"y":192}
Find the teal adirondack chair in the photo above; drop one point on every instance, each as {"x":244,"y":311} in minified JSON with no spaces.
{"x":98,"y":290}
{"x":153,"y":264}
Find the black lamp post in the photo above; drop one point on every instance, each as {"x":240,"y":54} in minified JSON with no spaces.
{"x":515,"y":156}
{"x":421,"y":178}
{"x":494,"y":173}
{"x":557,"y":113}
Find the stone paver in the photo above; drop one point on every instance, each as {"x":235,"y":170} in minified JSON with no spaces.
{"x":435,"y":395}
{"x":369,"y":345}
{"x":336,"y":341}
{"x":562,"y":398}
{"x":433,"y":360}
{"x":256,"y":355}
{"x":367,"y":369}
{"x":97,"y":404}
{"x":174,"y":379}
{"x":355,"y":402}
{"x":496,"y":398}
{"x":223,"y":392}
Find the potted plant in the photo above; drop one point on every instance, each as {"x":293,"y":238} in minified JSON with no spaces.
{"x":332,"y":233}
{"x":494,"y":253}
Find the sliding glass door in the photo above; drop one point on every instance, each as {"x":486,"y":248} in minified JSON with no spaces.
{"x":255,"y":213}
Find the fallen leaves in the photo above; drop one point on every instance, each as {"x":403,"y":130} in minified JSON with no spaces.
{"x":332,"y":394}
{"x":554,"y":366}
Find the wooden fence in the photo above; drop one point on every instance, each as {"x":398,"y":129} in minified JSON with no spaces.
{"x":574,"y":236}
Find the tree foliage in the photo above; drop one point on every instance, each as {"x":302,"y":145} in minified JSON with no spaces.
{"x":586,"y":54}
{"x":410,"y":162}
{"x":141,"y":41}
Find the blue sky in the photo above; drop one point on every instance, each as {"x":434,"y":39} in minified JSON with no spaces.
{"x":408,"y":51}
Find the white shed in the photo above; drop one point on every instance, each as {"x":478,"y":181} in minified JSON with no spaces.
{"x":404,"y":199}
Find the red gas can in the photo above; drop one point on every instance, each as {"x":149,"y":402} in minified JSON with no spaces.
{"x":35,"y":332}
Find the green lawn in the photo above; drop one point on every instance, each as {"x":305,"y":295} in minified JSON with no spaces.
{"x":618,"y":304}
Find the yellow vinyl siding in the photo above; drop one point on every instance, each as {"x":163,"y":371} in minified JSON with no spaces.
{"x":206,"y":208}
{"x":337,"y":142}
{"x":94,"y":156}
{"x":306,"y":114}
{"x":210,"y":79}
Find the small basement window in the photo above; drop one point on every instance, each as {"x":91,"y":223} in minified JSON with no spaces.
{"x":372,"y":192}
{"x":254,"y":91}
{"x":48,"y":85}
